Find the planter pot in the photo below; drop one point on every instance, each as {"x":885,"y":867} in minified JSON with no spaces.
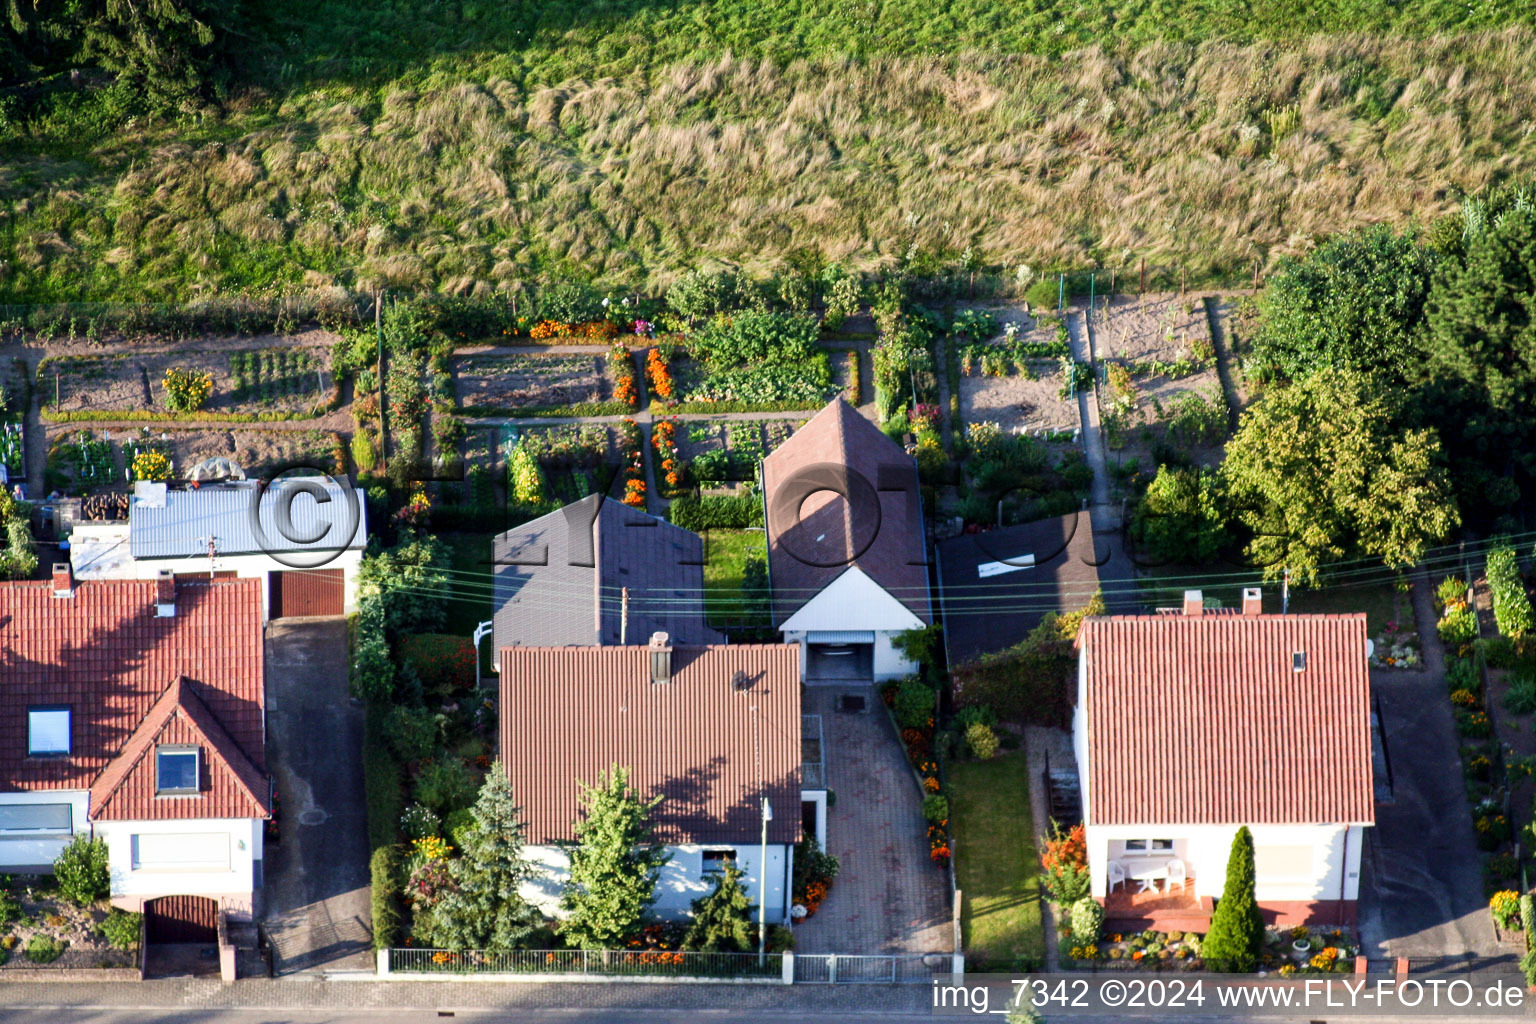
{"x":1302,"y":946}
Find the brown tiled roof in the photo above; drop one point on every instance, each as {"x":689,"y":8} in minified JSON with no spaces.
{"x":1201,"y":720}
{"x":828,"y":530}
{"x":106,"y":655}
{"x":569,"y":713}
{"x":988,"y":613}
{"x":230,"y":785}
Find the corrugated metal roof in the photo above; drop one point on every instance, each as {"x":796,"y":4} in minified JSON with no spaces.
{"x":223,"y":512}
{"x":107,"y":655}
{"x":560,"y":579}
{"x":712,"y":750}
{"x":1202,"y":720}
{"x":826,"y":529}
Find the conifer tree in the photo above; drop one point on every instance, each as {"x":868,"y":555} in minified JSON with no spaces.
{"x":722,"y":920}
{"x":482,"y":908}
{"x":1237,"y":930}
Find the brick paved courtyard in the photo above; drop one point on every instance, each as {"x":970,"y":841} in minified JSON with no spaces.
{"x":889,"y":897}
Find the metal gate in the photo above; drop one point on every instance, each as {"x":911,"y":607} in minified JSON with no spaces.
{"x":181,"y":919}
{"x":307,"y":592}
{"x":860,"y":969}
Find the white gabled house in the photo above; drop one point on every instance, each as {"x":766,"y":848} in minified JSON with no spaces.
{"x":133,"y":711}
{"x":1193,"y":723}
{"x":847,"y":561}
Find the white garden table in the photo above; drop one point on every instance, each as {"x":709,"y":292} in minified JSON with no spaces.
{"x":1146,"y":870}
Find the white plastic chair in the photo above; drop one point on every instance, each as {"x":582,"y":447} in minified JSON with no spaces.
{"x":1116,"y":874}
{"x":1177,"y":873}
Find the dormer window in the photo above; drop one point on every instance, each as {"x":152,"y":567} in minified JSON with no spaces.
{"x":48,"y":731}
{"x":177,"y":770}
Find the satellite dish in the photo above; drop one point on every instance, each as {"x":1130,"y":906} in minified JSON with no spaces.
{"x":740,"y":681}
{"x":217,"y":468}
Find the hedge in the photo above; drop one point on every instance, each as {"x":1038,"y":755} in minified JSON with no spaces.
{"x":663,"y":409}
{"x":718,"y":511}
{"x":388,"y":915}
{"x":578,"y":409}
{"x":52,"y":415}
{"x":1511,"y":605}
{"x":381,"y":782}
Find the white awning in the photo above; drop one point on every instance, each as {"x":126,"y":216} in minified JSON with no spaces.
{"x":840,"y":636}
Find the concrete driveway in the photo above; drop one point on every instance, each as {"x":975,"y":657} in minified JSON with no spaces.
{"x":317,"y":884}
{"x":1421,"y":875}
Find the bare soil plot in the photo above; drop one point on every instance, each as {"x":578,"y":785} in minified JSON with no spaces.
{"x":286,"y":381}
{"x":1017,"y":403}
{"x":81,"y":460}
{"x":511,"y":381}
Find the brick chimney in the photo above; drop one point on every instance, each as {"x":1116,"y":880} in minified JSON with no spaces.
{"x":165,"y":594}
{"x":63,"y":580}
{"x":1253,"y":601}
{"x":1194,"y":603}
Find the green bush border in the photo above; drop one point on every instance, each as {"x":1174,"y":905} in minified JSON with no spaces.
{"x":541,"y":411}
{"x":51,"y":415}
{"x":660,"y":409}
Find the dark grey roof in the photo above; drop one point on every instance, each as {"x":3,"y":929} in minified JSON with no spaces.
{"x":991,"y":612}
{"x":560,"y":578}
{"x":187,"y":520}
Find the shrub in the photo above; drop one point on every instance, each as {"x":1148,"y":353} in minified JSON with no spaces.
{"x":10,"y":908}
{"x":1528,"y":918}
{"x":936,"y":808}
{"x":982,"y":740}
{"x":1511,"y":605}
{"x":44,"y":949}
{"x":420,"y":821}
{"x":381,"y":783}
{"x":1087,"y":920}
{"x":444,"y":784}
{"x":1451,"y":591}
{"x":443,"y":662}
{"x":914,"y":704}
{"x":715,"y":511}
{"x":412,"y":733}
{"x":186,"y":390}
{"x":121,"y":929}
{"x":1065,"y":864}
{"x":81,"y":871}
{"x":976,"y":713}
{"x":364,"y":455}
{"x":152,"y":466}
{"x":385,"y":867}
{"x":1505,"y":908}
{"x":1458,"y":627}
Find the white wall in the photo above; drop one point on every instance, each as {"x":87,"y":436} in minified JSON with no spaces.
{"x":1205,"y":849}
{"x":1080,"y":732}
{"x":681,"y":882}
{"x":42,"y":850}
{"x":233,"y":884}
{"x":248,"y":566}
{"x":890,"y":663}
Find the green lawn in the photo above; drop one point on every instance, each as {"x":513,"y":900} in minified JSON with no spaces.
{"x":1381,"y":602}
{"x":725,"y":557}
{"x":1165,"y":586}
{"x":997,"y":865}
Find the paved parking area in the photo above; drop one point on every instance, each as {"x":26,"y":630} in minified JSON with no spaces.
{"x":316,"y":896}
{"x":888,"y":897}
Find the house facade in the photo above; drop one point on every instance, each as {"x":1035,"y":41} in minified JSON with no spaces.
{"x":1193,"y":723}
{"x":847,"y":561}
{"x":714,"y":731}
{"x":302,"y":539}
{"x":133,"y":711}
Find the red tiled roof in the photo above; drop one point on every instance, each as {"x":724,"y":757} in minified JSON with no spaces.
{"x":569,"y":713}
{"x":1201,"y":720}
{"x":230,"y":785}
{"x":106,"y":655}
{"x":828,"y":529}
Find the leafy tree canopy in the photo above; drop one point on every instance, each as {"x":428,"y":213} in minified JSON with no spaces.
{"x":1181,"y":518}
{"x":1321,"y":473}
{"x":1356,"y":302}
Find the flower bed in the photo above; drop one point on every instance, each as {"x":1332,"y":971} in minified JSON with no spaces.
{"x":41,"y":929}
{"x":1396,"y":647}
{"x":910,"y":704}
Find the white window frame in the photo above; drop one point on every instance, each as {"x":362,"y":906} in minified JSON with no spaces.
{"x":178,"y":750}
{"x":37,"y":712}
{"x":1149,"y":846}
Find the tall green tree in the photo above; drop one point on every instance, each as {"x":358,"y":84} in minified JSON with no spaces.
{"x":614,"y":864}
{"x":1355,"y":303}
{"x":482,"y":908}
{"x":1481,"y":347}
{"x":722,"y":920}
{"x":1237,"y":930}
{"x":1320,"y":472}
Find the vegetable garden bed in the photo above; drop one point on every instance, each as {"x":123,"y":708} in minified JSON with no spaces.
{"x":81,"y":460}
{"x":536,"y":385}
{"x":248,"y":384}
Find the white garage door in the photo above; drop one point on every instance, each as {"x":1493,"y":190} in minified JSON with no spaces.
{"x":181,"y":851}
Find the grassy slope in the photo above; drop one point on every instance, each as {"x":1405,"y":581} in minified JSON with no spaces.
{"x":465,"y":146}
{"x":996,"y":862}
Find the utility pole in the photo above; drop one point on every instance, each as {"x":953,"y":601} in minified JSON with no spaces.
{"x":762,"y":885}
{"x":1285,"y":591}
